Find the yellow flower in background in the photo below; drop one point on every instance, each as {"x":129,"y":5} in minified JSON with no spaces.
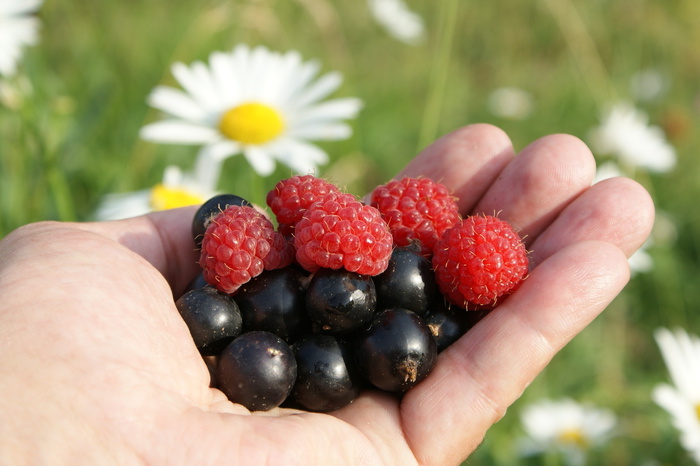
{"x":178,"y":189}
{"x":565,"y":426}
{"x":681,"y":353}
{"x":262,"y":104}
{"x":18,"y":29}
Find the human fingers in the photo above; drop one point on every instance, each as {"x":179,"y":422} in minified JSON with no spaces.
{"x":467,"y":161}
{"x":484,"y":372}
{"x":617,"y":210}
{"x":163,"y":238}
{"x":538,"y":184}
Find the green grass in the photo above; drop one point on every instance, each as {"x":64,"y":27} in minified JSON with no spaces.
{"x":74,"y":137}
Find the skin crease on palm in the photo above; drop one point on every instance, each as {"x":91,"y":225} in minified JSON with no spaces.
{"x":97,"y":367}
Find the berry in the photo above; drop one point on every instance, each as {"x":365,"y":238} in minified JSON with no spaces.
{"x":396,"y":351}
{"x":290,"y":198}
{"x":478,"y":261}
{"x":327,"y":378}
{"x":338,"y":231}
{"x":449,"y":323}
{"x":274,"y":301}
{"x":416,"y":209}
{"x":408,"y":282}
{"x":212,"y":317}
{"x":339,"y":301}
{"x":210,"y":209}
{"x":238,"y":245}
{"x":257,"y":370}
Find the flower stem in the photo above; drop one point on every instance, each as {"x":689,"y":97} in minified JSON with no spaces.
{"x":438,"y":78}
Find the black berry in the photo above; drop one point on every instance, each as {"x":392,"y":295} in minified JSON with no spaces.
{"x":449,"y":323}
{"x":210,"y":209}
{"x":327,"y":378}
{"x":274,"y":301}
{"x":396,"y":351}
{"x":212,"y":317}
{"x":408,"y":282}
{"x":339,"y":301}
{"x":257,"y":370}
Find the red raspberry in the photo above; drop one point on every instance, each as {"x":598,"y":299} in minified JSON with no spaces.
{"x":339,"y":231}
{"x":478,"y":261}
{"x":416,"y":209}
{"x":290,"y":198}
{"x":238,"y":245}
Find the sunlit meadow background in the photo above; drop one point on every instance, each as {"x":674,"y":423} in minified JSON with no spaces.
{"x":71,"y":136}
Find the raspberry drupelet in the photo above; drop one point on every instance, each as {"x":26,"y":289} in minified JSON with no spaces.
{"x":478,"y":261}
{"x":238,"y":245}
{"x":290,"y":198}
{"x":416,"y":209}
{"x":338,"y":231}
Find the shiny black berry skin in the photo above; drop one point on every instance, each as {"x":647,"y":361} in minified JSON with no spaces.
{"x":449,"y":323}
{"x":210,"y":209}
{"x":327,"y":378}
{"x":274,"y":301}
{"x":257,"y":370}
{"x":339,"y":301}
{"x":212,"y":317}
{"x":408,"y":282}
{"x":396,"y":351}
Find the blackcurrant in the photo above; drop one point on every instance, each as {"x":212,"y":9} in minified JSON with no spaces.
{"x":396,"y":351}
{"x":212,"y":317}
{"x":449,"y":323}
{"x":408,"y":282}
{"x":274,"y":301}
{"x":339,"y":301}
{"x":327,"y":378}
{"x":210,"y":209}
{"x":257,"y":370}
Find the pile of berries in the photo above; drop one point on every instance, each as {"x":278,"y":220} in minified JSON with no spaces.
{"x":341,"y":295}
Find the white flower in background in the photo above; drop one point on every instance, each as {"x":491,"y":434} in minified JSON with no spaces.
{"x":18,"y":29}
{"x":565,"y":426}
{"x":681,"y":354}
{"x":625,"y":132}
{"x":647,"y":85}
{"x":605,"y":171}
{"x":641,"y":261}
{"x":178,"y":189}
{"x":260,"y":103}
{"x":402,"y":23}
{"x":510,"y":102}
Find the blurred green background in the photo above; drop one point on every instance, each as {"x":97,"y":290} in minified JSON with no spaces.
{"x":70,"y":136}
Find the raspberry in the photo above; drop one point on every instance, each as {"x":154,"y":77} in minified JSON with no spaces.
{"x":290,"y":198}
{"x":416,"y":209}
{"x":478,"y":261}
{"x":238,"y":245}
{"x":338,"y":231}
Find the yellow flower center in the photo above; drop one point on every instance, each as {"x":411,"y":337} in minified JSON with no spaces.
{"x":573,"y":437}
{"x":697,"y":410}
{"x":252,"y":123}
{"x":164,"y":197}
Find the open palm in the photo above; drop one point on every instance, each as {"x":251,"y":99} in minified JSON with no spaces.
{"x":97,"y":367}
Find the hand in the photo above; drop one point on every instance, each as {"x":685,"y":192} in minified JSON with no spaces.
{"x":97,"y":367}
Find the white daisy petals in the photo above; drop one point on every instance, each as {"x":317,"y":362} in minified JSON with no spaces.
{"x":264,"y":104}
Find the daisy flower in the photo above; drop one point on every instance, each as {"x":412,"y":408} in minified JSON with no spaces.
{"x":565,"y":426}
{"x":17,"y":30}
{"x":510,"y":102}
{"x":625,"y":132}
{"x":681,"y":354}
{"x":400,"y":22}
{"x":262,"y":104}
{"x":178,"y":189}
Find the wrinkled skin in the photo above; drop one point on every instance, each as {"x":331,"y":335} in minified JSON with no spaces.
{"x":96,"y":366}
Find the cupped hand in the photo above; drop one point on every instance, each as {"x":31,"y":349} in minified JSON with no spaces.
{"x":97,"y":367}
